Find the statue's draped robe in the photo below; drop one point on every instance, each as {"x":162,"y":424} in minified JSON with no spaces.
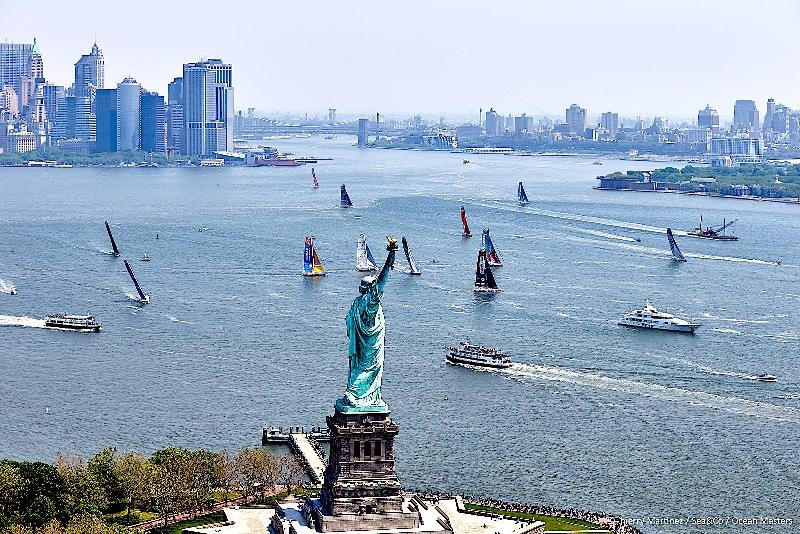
{"x":365,"y":328}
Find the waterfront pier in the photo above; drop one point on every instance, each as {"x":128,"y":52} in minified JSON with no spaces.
{"x":301,"y":444}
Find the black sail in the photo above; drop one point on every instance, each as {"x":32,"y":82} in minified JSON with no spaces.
{"x":113,"y":243}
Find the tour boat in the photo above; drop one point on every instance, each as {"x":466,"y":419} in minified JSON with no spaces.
{"x":412,"y":265}
{"x":145,"y":257}
{"x":314,"y":176}
{"x":491,"y":253}
{"x":143,"y":299}
{"x":650,"y":318}
{"x":521,"y":196}
{"x":344,"y":201}
{"x":78,"y":323}
{"x":484,"y":279}
{"x":312,"y":266}
{"x":766,"y":378}
{"x":364,"y":260}
{"x":466,"y":233}
{"x":673,"y":245}
{"x":113,"y":243}
{"x":469,"y":354}
{"x":713,"y":232}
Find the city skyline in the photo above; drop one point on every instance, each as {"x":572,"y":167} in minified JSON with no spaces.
{"x":444,"y":59}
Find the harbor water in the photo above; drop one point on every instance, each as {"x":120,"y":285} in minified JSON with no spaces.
{"x":592,"y":415}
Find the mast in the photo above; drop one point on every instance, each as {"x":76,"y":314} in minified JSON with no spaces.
{"x":345,"y":199}
{"x":466,"y":233}
{"x":412,"y":265}
{"x":113,"y":243}
{"x":673,"y":245}
{"x":142,"y":296}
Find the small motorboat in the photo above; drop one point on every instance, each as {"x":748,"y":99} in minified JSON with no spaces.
{"x":12,"y":291}
{"x":766,"y":377}
{"x":597,"y":163}
{"x":145,"y":257}
{"x":466,"y":161}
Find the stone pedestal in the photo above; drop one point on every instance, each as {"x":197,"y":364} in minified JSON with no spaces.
{"x":361,"y":490}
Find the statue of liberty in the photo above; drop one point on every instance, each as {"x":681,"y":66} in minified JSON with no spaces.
{"x":366,"y":329}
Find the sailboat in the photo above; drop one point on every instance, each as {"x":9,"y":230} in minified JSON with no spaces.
{"x":345,"y":199}
{"x":491,"y":253}
{"x":412,"y":265}
{"x":466,"y":233}
{"x":113,"y":243}
{"x":314,"y":176}
{"x":484,"y":279}
{"x":676,"y":252}
{"x":143,"y":299}
{"x":364,"y":259}
{"x":521,"y":196}
{"x":312,"y":266}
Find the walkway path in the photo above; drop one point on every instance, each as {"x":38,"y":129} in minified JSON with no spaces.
{"x":311,"y":458}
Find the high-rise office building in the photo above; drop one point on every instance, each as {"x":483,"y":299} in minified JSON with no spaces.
{"x":175,"y":136}
{"x":207,"y":107}
{"x":37,"y":63}
{"x":53,"y":97}
{"x":16,"y":62}
{"x":75,"y":119}
{"x":90,"y":73}
{"x":523,"y":124}
{"x":105,"y":106}
{"x":363,"y":132}
{"x":610,"y":121}
{"x":769,"y":114}
{"x":153,"y":123}
{"x":745,"y":117}
{"x":576,"y":119}
{"x":493,"y":127}
{"x":129,"y":94}
{"x":708,"y":118}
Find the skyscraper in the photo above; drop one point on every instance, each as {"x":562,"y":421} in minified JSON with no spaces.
{"x":75,"y":119}
{"x":207,"y":107}
{"x":610,"y":121}
{"x":363,"y":134}
{"x":493,"y":127}
{"x":53,"y":97}
{"x":745,"y":117}
{"x":90,"y":73}
{"x":175,"y":134}
{"x":37,"y":64}
{"x":769,"y":114}
{"x":16,"y":62}
{"x":708,"y":118}
{"x":576,"y":119}
{"x":128,"y":108}
{"x":105,"y":105}
{"x":153,"y":123}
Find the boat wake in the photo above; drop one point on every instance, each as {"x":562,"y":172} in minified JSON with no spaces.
{"x":13,"y":320}
{"x":104,"y":251}
{"x":734,"y":405}
{"x":735,"y":320}
{"x":598,"y":233}
{"x":6,"y":287}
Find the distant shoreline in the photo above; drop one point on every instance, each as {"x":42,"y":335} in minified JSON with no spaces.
{"x":785,"y":200}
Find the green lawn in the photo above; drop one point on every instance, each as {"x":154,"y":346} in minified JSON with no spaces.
{"x":550,"y":522}
{"x":137,"y":516}
{"x":177,"y":528}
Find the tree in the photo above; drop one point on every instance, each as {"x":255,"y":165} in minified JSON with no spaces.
{"x":227,"y":473}
{"x":172,"y":480}
{"x":10,"y":489}
{"x":83,"y":494}
{"x":135,"y":475}
{"x":290,"y":471}
{"x":101,"y":466}
{"x":42,"y":493}
{"x":258,"y":471}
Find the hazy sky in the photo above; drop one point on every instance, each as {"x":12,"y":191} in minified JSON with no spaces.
{"x":438,"y":56}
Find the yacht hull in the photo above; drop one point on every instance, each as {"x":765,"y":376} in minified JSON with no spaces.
{"x":684,"y":328}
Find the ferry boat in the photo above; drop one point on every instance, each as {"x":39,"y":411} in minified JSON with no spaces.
{"x":469,"y":354}
{"x":651,"y":318}
{"x":79,"y":323}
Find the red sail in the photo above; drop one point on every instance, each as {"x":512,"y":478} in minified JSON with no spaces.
{"x":467,"y":233}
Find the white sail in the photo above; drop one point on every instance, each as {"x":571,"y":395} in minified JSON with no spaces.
{"x":364,"y":261}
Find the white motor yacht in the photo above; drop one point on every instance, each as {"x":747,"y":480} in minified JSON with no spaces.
{"x":651,"y":318}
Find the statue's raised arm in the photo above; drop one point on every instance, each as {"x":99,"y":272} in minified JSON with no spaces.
{"x":388,"y":264}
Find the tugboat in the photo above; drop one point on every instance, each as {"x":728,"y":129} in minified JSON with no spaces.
{"x":469,"y":354}
{"x":79,"y":323}
{"x":651,"y":318}
{"x":713,"y":232}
